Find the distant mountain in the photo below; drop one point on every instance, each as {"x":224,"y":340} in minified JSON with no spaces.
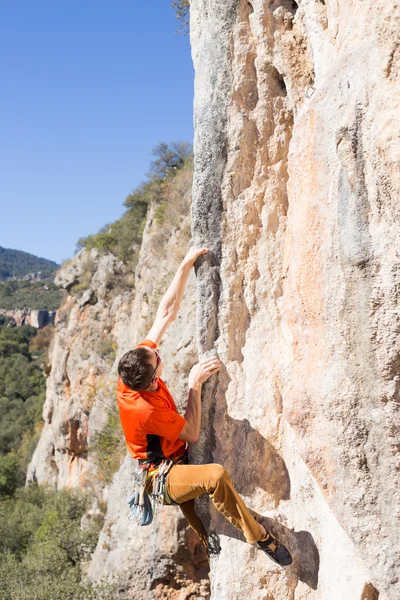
{"x":15,"y":264}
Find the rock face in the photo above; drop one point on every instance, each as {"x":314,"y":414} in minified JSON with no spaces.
{"x":27,"y":316}
{"x":80,"y":384}
{"x":296,"y":194}
{"x":296,"y":190}
{"x":164,"y":560}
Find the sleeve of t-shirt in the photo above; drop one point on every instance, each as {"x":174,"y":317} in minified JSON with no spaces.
{"x":148,"y":343}
{"x":165,"y":423}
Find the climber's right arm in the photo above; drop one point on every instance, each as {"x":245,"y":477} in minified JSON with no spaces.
{"x":197,"y":376}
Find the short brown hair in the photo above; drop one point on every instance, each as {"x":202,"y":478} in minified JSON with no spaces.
{"x":135,"y":369}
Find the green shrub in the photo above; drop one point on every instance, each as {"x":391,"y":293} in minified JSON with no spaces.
{"x":159,"y":213}
{"x":11,"y":475}
{"x":108,"y":446}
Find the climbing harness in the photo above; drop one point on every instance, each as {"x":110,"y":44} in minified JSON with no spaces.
{"x":150,"y":494}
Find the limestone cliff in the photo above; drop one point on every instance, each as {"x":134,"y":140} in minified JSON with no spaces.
{"x":296,"y":191}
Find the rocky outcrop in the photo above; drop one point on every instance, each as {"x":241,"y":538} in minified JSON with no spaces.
{"x":27,"y":316}
{"x":79,"y":386}
{"x":164,"y":560}
{"x":296,"y":192}
{"x":109,"y":310}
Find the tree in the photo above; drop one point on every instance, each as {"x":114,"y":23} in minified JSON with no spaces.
{"x":11,"y":476}
{"x":168,"y":159}
{"x":181,"y":8}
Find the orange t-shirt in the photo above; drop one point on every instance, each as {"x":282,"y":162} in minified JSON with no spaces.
{"x":150,"y":421}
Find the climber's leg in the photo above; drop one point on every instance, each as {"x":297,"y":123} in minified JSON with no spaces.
{"x":194,"y":520}
{"x":186,"y":482}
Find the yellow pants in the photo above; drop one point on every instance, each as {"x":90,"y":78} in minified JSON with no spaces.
{"x":187,"y":482}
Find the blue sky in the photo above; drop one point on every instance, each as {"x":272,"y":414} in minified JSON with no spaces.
{"x":88,"y":88}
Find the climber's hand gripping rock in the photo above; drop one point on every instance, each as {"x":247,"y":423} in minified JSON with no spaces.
{"x":197,"y":376}
{"x":203,"y":371}
{"x":193,"y":254}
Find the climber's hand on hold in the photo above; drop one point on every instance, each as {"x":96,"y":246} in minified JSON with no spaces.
{"x":192,"y":255}
{"x":197,"y":376}
{"x":203,"y":371}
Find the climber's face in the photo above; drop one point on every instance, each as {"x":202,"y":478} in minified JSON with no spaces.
{"x":156,"y":362}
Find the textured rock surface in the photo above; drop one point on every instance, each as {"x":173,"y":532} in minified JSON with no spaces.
{"x":80,"y":386}
{"x":296,"y":191}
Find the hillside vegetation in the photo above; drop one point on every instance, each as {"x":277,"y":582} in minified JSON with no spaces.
{"x":23,"y":355}
{"x":43,"y":543}
{"x":43,"y":546}
{"x":30,"y":294}
{"x":123,"y":237}
{"x":18,"y":290}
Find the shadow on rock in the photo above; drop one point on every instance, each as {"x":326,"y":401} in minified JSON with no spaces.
{"x":301,"y":545}
{"x":302,"y":548}
{"x":254,"y":463}
{"x":250,"y":459}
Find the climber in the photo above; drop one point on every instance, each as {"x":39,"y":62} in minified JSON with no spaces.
{"x":154,"y":431}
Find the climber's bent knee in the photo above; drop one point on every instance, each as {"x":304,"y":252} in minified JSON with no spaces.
{"x":216,"y":474}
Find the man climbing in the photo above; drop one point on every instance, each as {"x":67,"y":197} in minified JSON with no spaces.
{"x":154,"y":431}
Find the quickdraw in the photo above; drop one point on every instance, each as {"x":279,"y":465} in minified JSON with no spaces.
{"x":138,"y":502}
{"x":159,"y":485}
{"x":149,"y":492}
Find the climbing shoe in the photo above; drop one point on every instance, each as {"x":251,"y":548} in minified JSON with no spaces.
{"x":275,"y":550}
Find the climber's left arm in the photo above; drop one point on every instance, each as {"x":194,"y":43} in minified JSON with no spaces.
{"x":171,"y":301}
